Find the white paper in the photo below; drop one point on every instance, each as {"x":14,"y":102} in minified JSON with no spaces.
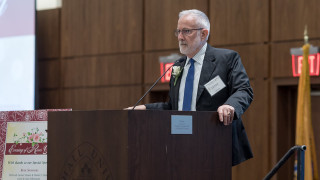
{"x":215,"y":85}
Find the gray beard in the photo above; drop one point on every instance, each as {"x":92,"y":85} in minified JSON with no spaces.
{"x":184,"y":51}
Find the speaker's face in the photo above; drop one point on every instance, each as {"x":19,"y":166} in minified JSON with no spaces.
{"x":189,"y":36}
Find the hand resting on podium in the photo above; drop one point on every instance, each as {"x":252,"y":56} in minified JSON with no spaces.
{"x":140,"y":107}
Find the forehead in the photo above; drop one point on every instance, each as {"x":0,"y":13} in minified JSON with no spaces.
{"x":187,"y":21}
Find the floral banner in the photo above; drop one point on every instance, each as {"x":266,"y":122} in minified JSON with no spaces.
{"x":23,"y":144}
{"x":25,"y":154}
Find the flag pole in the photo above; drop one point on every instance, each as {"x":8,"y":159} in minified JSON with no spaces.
{"x":304,"y":129}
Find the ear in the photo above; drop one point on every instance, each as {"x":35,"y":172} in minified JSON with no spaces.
{"x":204,"y":34}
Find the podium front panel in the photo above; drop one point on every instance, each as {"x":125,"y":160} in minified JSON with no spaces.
{"x":88,"y":145}
{"x":155,"y":153}
{"x":137,"y":145}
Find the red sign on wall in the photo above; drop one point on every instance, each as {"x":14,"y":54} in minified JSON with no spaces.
{"x":314,"y":64}
{"x":165,"y":63}
{"x":163,"y":68}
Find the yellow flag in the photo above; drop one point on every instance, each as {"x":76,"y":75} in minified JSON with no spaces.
{"x":304,"y":130}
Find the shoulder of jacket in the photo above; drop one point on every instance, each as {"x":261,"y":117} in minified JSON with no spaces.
{"x":222,"y":51}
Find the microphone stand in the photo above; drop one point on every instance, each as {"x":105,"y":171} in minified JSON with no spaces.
{"x":153,"y":86}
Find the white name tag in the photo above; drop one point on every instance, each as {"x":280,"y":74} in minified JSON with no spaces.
{"x":215,"y":85}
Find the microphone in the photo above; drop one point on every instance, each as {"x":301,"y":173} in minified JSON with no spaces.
{"x":178,"y":61}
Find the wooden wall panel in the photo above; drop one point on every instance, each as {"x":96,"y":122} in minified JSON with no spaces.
{"x":234,"y":22}
{"x":255,"y":59}
{"x":281,"y":58}
{"x":281,"y":61}
{"x":315,"y":101}
{"x":286,"y":117}
{"x":256,"y":122}
{"x":289,"y":18}
{"x":152,"y":65}
{"x":92,"y":35}
{"x":102,"y":70}
{"x":49,"y":99}
{"x":100,"y":98}
{"x":48,"y":34}
{"x":49,"y":74}
{"x":161,"y":19}
{"x":99,"y":27}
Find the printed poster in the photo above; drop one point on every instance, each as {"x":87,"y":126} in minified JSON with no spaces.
{"x":19,"y":135}
{"x":25,"y":154}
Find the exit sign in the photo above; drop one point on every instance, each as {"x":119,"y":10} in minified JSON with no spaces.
{"x":163,"y":68}
{"x":165,"y":63}
{"x":314,"y":61}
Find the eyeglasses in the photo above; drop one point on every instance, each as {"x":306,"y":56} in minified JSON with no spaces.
{"x":185,"y":32}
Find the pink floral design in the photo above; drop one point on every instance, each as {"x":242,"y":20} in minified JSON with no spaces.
{"x":30,"y":138}
{"x":36,"y":137}
{"x":33,"y":137}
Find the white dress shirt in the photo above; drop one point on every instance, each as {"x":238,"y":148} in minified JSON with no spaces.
{"x":198,"y":61}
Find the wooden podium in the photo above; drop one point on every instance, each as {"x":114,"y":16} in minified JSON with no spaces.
{"x":137,"y":145}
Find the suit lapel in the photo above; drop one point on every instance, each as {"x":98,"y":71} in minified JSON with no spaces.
{"x":176,"y":88}
{"x":208,"y":67}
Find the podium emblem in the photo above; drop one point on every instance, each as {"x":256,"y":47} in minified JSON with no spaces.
{"x":85,"y":163}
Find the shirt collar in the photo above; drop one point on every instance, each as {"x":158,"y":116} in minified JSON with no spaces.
{"x":199,"y":56}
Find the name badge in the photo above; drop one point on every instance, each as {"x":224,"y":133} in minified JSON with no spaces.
{"x":215,"y":85}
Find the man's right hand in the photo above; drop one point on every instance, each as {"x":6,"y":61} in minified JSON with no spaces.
{"x":140,"y":107}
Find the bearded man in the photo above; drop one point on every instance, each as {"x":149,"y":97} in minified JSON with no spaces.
{"x":209,"y":79}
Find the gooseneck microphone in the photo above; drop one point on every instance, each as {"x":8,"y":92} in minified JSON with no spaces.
{"x":178,"y":61}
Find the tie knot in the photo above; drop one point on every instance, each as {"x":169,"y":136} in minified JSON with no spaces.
{"x":191,"y":61}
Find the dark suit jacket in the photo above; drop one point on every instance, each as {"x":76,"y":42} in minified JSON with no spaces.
{"x":237,"y":93}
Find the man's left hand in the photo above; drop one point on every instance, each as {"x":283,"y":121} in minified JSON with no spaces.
{"x":226,"y":113}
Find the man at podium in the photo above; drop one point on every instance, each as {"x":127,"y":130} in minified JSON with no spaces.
{"x":208,"y":79}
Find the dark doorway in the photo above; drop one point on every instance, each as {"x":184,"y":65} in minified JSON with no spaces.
{"x":286,"y":124}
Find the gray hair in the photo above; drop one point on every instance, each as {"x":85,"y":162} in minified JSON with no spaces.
{"x":201,"y":18}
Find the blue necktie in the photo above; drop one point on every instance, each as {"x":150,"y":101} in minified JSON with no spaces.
{"x":188,"y":89}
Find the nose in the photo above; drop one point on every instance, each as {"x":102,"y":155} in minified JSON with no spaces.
{"x":180,"y":36}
